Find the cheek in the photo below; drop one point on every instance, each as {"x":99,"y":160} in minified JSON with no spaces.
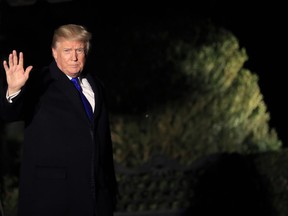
{"x":82,"y":61}
{"x":64,"y":59}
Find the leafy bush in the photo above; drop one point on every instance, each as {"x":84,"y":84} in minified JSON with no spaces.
{"x":209,"y":102}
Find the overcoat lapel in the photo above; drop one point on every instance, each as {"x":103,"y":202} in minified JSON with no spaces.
{"x":63,"y":83}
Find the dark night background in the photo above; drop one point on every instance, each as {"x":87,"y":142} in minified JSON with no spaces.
{"x":259,"y":26}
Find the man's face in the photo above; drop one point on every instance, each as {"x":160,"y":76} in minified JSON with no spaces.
{"x":70,"y":56}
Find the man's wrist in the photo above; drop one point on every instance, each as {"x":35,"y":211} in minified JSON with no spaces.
{"x":9,"y":97}
{"x":12,"y":91}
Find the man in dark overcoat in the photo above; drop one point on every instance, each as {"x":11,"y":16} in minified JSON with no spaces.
{"x":67,"y":159}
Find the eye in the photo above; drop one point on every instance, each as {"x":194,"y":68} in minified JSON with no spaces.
{"x":80,"y":50}
{"x":67,"y":51}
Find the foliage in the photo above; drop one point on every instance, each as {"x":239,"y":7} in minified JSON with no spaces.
{"x":10,"y":157}
{"x":10,"y":197}
{"x":170,"y":190}
{"x":211,"y":103}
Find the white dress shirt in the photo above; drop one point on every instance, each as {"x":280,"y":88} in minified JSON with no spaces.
{"x":87,"y":91}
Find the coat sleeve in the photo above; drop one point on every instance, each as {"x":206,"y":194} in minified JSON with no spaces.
{"x":10,"y":112}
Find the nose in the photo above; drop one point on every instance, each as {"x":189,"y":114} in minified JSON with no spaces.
{"x":74,"y":55}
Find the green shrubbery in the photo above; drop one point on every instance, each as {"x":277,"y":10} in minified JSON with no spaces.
{"x":209,"y":103}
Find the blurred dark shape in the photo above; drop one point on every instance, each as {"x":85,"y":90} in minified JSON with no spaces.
{"x":17,"y":3}
{"x":230,"y":186}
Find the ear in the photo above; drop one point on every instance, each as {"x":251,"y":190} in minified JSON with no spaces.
{"x":54,"y":53}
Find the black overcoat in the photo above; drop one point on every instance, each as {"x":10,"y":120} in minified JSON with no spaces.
{"x":67,"y":162}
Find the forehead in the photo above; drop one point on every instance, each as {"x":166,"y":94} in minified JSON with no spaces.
{"x":70,"y":44}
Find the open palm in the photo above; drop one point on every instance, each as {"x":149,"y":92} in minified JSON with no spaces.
{"x":16,"y":75}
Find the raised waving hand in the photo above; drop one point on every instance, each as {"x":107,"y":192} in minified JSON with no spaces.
{"x":16,"y":75}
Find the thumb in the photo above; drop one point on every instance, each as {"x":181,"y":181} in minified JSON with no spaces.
{"x":28,"y":70}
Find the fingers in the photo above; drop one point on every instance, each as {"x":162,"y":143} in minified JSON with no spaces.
{"x":5,"y":65}
{"x":10,"y":60}
{"x":21,"y":59}
{"x":28,"y":70}
{"x":14,"y":57}
{"x":13,"y":60}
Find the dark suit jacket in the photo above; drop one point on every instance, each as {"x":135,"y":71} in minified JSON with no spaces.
{"x":67,"y":162}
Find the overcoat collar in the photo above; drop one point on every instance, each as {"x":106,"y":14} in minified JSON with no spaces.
{"x":66,"y":86}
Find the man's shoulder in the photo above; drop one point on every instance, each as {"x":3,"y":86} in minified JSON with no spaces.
{"x":39,"y":78}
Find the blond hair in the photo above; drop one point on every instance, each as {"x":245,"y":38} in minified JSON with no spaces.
{"x":72,"y":32}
